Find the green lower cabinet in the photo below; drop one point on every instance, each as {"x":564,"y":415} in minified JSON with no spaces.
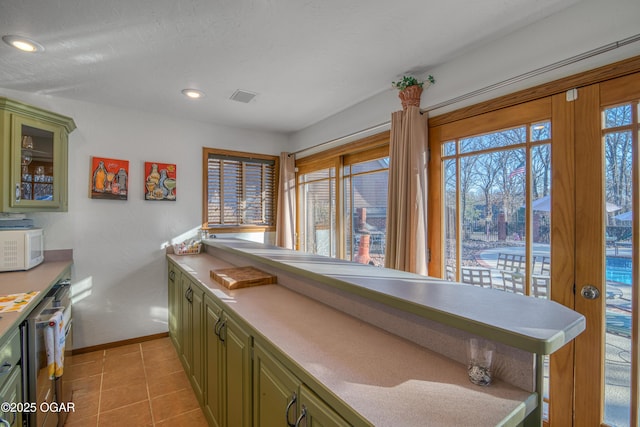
{"x":228,"y":369}
{"x":278,"y":395}
{"x":238,"y":373}
{"x":11,"y":392}
{"x":190,"y":337}
{"x":175,"y":300}
{"x":197,"y":327}
{"x":275,"y":390}
{"x":214,"y":356}
{"x":239,"y":381}
{"x":316,"y":413}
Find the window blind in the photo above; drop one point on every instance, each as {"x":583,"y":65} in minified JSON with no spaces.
{"x":240,"y":191}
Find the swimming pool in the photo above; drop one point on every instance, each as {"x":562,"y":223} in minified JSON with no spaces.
{"x":618,"y":269}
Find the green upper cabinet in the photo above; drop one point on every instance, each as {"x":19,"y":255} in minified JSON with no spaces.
{"x":33,"y":158}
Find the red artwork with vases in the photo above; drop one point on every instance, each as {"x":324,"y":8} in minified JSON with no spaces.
{"x":109,"y":179}
{"x":160,"y":181}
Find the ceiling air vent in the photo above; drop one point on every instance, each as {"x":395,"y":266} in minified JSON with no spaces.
{"x":243,"y":96}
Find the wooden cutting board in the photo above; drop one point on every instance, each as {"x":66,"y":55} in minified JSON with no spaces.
{"x":242,"y":277}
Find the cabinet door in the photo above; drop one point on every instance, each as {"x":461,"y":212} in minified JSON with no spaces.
{"x":11,"y":392}
{"x":237,"y":344}
{"x":214,"y":385}
{"x":275,"y":391}
{"x":186,"y":315}
{"x":197,"y":329}
{"x":38,"y":165}
{"x":314,"y":412}
{"x":175,"y":301}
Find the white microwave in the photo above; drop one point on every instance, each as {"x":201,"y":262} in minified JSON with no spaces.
{"x":21,"y":249}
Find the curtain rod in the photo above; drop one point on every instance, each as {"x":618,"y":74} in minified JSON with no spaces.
{"x":486,"y":89}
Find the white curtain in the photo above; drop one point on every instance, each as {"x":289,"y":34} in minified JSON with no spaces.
{"x":406,"y":247}
{"x":286,"y":209}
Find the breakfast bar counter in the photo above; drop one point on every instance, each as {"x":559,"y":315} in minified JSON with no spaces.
{"x":385,"y":378}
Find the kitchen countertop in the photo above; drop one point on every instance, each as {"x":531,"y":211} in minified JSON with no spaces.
{"x":534,"y":325}
{"x":386,"y":379}
{"x":40,"y":278}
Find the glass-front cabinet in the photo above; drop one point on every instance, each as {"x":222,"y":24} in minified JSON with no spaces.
{"x":34,"y":158}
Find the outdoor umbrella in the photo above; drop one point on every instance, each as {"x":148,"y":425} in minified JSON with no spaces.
{"x":627,"y":216}
{"x":544,"y":204}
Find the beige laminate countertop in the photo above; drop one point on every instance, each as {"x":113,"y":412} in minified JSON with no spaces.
{"x":40,"y":278}
{"x":388,"y":380}
{"x":534,"y":325}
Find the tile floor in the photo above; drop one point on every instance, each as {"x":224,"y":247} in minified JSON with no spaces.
{"x":133,"y":385}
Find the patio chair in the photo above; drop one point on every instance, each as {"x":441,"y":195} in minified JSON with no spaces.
{"x":542,"y":265}
{"x":451,"y":272}
{"x":540,"y":285}
{"x":477,"y":276}
{"x":511,"y":262}
{"x":513,"y":282}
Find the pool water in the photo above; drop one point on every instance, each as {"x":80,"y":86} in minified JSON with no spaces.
{"x":618,"y":269}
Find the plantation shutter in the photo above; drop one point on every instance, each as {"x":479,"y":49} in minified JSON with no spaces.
{"x":240,"y":191}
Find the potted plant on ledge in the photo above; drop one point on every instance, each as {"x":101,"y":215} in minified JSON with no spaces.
{"x":411,"y":90}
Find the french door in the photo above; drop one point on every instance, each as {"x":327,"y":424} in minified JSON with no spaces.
{"x":607,"y":252}
{"x":581,"y":216}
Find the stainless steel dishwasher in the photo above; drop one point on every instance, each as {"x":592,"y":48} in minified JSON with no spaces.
{"x":62,"y":299}
{"x":37,"y":386}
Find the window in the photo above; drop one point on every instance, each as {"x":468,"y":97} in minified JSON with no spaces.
{"x":342,"y":201}
{"x":240,"y":190}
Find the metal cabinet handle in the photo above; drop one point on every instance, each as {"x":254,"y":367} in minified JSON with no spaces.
{"x":17,"y":192}
{"x":294,"y":397}
{"x":5,"y":368}
{"x":216,"y":328}
{"x":302,"y":416}
{"x":172,"y":275}
{"x":221,"y":329}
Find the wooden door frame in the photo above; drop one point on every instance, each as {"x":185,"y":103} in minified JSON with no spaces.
{"x":565,"y":207}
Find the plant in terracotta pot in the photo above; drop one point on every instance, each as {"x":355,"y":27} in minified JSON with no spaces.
{"x":411,"y":90}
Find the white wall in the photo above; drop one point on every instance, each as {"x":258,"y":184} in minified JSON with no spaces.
{"x":119,"y":268}
{"x":119,"y":264}
{"x":588,"y":25}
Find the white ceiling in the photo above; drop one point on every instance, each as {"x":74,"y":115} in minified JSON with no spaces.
{"x":306,"y":59}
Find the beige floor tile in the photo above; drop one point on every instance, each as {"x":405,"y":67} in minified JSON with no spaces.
{"x":154,"y":344}
{"x":173,"y":404}
{"x":122,"y":396}
{"x":135,"y":415}
{"x":163,"y":366}
{"x":83,"y":370}
{"x":122,"y":376}
{"x":133,"y":385}
{"x":117,"y":362}
{"x":165,"y":384}
{"x":85,"y":406}
{"x":94,"y":356}
{"x":193,"y":418}
{"x":86,"y":385}
{"x":91,"y":421}
{"x":125,"y":349}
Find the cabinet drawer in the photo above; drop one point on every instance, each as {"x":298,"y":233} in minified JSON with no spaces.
{"x":9,"y":355}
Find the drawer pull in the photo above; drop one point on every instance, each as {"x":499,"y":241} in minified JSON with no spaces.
{"x":216,"y":328}
{"x":5,"y":368}
{"x":291,"y":403}
{"x":302,"y":416}
{"x":222,"y":328}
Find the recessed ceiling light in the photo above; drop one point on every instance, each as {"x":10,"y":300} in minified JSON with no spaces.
{"x":192,"y":93}
{"x":23,"y":43}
